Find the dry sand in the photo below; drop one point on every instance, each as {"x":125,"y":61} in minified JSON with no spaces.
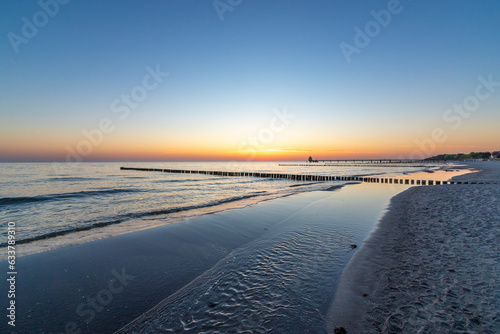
{"x":431,"y":266}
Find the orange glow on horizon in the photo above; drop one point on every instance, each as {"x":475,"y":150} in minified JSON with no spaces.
{"x":146,"y":153}
{"x":158,"y":148}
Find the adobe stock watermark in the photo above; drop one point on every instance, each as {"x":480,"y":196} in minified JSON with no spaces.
{"x":266,"y":135}
{"x":363,"y":37}
{"x":455,"y":116}
{"x":89,"y":309}
{"x":30,"y":27}
{"x":121,"y":108}
{"x":223,"y":6}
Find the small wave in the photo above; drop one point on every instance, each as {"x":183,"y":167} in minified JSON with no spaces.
{"x":192,"y":207}
{"x":301,"y":185}
{"x":63,"y":232}
{"x":54,"y":197}
{"x":86,"y":226}
{"x":185,"y":180}
{"x":71,"y":179}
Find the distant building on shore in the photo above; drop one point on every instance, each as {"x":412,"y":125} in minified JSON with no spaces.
{"x":311,"y":159}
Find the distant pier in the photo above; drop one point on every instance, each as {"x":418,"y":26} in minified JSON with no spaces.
{"x":303,"y":177}
{"x":391,"y":161}
{"x":381,"y":164}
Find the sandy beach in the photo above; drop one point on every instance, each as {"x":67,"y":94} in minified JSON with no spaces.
{"x":430,"y":266}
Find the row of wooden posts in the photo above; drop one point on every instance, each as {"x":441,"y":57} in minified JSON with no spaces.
{"x":302,"y":177}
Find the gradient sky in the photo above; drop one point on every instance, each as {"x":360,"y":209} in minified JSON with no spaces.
{"x":418,"y":88}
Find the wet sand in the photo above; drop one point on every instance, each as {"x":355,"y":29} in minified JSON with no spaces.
{"x":431,"y":266}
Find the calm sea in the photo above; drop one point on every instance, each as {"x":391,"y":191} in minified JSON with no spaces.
{"x":79,"y":202}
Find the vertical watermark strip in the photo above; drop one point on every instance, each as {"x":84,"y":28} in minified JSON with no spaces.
{"x":11,"y":273}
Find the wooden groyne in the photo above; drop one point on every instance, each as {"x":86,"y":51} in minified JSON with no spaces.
{"x":304,"y":177}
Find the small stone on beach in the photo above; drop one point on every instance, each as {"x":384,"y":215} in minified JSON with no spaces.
{"x":339,"y":330}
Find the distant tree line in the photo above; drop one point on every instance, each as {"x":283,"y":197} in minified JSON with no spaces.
{"x":463,"y":156}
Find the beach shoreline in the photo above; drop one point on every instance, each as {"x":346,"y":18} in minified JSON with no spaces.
{"x":431,"y":264}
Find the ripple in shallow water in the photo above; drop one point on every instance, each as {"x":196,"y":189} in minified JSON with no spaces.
{"x":280,"y":283}
{"x":272,"y":285}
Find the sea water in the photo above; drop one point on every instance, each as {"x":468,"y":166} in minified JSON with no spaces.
{"x":55,"y":205}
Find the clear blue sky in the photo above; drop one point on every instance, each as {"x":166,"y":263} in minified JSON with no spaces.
{"x":226,"y":77}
